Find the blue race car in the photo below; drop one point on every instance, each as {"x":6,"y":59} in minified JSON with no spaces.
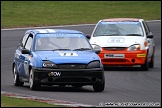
{"x":57,"y":57}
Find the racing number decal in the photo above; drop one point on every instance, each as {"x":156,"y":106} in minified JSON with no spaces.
{"x":116,"y":40}
{"x":68,"y":53}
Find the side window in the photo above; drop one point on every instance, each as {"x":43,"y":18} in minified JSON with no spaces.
{"x":22,"y":42}
{"x":146,"y":28}
{"x":29,"y":43}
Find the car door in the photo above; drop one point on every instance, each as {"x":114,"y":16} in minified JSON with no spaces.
{"x":18,"y":55}
{"x":150,"y":40}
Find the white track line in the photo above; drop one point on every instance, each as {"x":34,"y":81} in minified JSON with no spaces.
{"x":63,"y":26}
{"x":49,"y":26}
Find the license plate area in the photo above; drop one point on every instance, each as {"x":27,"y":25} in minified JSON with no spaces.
{"x":114,"y":55}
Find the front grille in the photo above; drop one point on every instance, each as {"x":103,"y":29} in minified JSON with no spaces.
{"x":71,"y":66}
{"x":74,"y":80}
{"x":115,"y":48}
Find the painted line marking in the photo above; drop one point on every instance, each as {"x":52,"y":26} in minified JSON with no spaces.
{"x":63,"y":26}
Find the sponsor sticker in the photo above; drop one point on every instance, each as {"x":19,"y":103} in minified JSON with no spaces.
{"x":141,"y":55}
{"x":59,"y":35}
{"x":54,"y":74}
{"x":136,"y":23}
{"x":114,"y":55}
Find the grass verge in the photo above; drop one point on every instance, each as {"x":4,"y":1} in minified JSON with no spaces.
{"x":51,"y":13}
{"x":19,"y":102}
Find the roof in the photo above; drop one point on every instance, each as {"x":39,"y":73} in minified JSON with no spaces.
{"x":121,"y":19}
{"x":35,"y":31}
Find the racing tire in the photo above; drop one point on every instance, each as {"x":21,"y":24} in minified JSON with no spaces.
{"x":145,"y":66}
{"x":17,"y":82}
{"x":151,"y":63}
{"x":99,"y":87}
{"x":34,"y":85}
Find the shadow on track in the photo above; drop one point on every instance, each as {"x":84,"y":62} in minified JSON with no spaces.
{"x":124,"y":68}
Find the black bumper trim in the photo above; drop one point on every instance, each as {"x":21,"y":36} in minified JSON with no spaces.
{"x":49,"y":69}
{"x":69,"y":76}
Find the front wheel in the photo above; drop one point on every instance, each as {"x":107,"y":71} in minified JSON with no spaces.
{"x":34,"y":85}
{"x":17,"y":82}
{"x":99,"y":87}
{"x":151,"y":63}
{"x":145,"y":66}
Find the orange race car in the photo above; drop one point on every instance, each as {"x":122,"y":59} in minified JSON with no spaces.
{"x":124,"y":42}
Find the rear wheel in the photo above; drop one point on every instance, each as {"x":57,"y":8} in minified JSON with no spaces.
{"x":17,"y":82}
{"x":145,"y":66}
{"x":34,"y":85}
{"x":99,"y":87}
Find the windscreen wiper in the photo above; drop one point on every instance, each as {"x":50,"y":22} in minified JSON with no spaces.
{"x":81,"y":49}
{"x":133,"y":35}
{"x":110,"y":34}
{"x":60,"y":49}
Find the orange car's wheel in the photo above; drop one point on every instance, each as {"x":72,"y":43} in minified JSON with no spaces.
{"x":151,"y":63}
{"x":145,"y":66}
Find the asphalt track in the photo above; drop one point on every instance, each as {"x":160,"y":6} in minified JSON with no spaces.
{"x":122,"y":84}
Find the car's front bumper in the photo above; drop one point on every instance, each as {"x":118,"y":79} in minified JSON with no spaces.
{"x":129,"y":58}
{"x":68,"y":76}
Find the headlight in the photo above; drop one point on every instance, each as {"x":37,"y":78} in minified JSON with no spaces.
{"x":134,"y":47}
{"x":48,"y":64}
{"x":96,"y":48}
{"x":94,"y":64}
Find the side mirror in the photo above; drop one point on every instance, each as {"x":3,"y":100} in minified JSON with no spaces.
{"x":150,"y":36}
{"x":96,"y":48}
{"x":25,"y":51}
{"x":88,"y":36}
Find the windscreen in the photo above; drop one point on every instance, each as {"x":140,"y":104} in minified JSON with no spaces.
{"x":118,"y":29}
{"x":61,"y":41}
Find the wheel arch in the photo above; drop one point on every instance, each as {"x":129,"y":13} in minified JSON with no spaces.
{"x":30,"y":67}
{"x":13,"y":66}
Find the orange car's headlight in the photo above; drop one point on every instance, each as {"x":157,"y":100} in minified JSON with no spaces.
{"x":134,"y":47}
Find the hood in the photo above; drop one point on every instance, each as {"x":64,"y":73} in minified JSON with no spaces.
{"x":68,"y":56}
{"x":116,"y":41}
